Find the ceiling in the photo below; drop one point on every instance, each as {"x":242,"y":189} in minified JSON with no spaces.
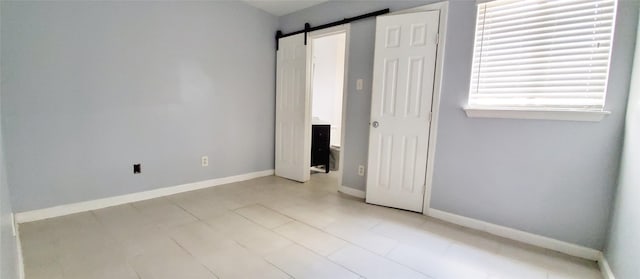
{"x":283,"y":7}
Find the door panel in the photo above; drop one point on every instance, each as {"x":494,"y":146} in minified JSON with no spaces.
{"x":403,"y":77}
{"x":293,"y":129}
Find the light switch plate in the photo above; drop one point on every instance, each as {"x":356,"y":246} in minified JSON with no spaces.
{"x":359,"y":84}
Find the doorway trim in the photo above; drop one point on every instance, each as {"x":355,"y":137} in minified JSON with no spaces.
{"x":340,"y":29}
{"x":443,"y":8}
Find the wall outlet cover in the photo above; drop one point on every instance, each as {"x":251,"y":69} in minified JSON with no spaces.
{"x":205,"y":161}
{"x":361,"y":170}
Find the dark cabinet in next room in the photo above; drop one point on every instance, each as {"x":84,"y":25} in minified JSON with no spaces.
{"x":320,"y":151}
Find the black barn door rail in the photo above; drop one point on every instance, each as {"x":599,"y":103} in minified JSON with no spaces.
{"x":308,"y":28}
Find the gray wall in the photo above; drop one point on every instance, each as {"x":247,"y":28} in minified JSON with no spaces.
{"x":8,"y":243}
{"x":89,"y":88}
{"x":553,"y":178}
{"x":623,"y":247}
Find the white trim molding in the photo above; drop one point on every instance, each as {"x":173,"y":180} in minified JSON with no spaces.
{"x":351,"y":191}
{"x":517,"y":235}
{"x":544,"y":114}
{"x":605,"y":269}
{"x":20,"y":256}
{"x":66,"y":209}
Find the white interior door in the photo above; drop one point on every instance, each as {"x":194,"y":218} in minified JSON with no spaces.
{"x":293,"y":120}
{"x":403,"y":77}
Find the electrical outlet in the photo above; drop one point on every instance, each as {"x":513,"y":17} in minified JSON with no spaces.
{"x":361,"y":170}
{"x":137,"y":168}
{"x":205,"y":161}
{"x":359,"y":84}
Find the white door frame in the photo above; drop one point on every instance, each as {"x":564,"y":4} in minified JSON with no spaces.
{"x":340,"y":29}
{"x":443,"y":7}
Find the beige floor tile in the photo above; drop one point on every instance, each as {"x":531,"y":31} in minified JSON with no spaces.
{"x":223,"y":256}
{"x":204,"y":205}
{"x":561,"y":266}
{"x":248,"y":234}
{"x":70,"y":227}
{"x":311,"y":238}
{"x":494,"y":264}
{"x":168,"y":260}
{"x":239,"y":262}
{"x":371,"y":265}
{"x":264,"y":216}
{"x":413,"y":235}
{"x":38,"y":232}
{"x":199,"y":236}
{"x":307,"y":214}
{"x":301,"y":263}
{"x":40,"y":253}
{"x":126,"y":222}
{"x":352,"y":216}
{"x":462,"y":235}
{"x":511,"y":268}
{"x":434,"y":264}
{"x":399,"y":217}
{"x":242,"y":230}
{"x":527,"y":253}
{"x":100,"y":270}
{"x":362,"y":237}
{"x":164,"y":213}
{"x":51,"y":270}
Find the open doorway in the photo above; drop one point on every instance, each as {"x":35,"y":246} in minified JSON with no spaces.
{"x":328,"y":70}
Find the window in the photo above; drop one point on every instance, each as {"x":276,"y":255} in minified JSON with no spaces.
{"x":542,"y":54}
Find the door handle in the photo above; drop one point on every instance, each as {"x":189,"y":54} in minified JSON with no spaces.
{"x":375,"y":124}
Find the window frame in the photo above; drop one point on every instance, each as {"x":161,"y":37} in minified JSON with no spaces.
{"x":532,"y":112}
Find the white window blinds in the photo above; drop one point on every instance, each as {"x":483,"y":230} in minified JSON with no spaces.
{"x":551,"y":54}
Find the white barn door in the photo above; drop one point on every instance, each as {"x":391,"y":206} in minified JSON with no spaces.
{"x":293,"y":128}
{"x":403,"y":78}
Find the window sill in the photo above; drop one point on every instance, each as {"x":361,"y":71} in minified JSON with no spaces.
{"x":545,"y":114}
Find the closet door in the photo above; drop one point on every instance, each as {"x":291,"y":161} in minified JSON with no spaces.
{"x":403,"y":78}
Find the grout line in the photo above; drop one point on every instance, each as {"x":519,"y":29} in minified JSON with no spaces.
{"x":334,"y":235}
{"x":344,"y":247}
{"x":398,"y":243}
{"x":338,"y":264}
{"x":117,"y":238}
{"x":283,"y":224}
{"x":328,"y":259}
{"x":185,"y":210}
{"x":132,"y":268}
{"x":310,"y":250}
{"x":406,"y":266}
{"x":264,"y":258}
{"x":226,"y":235}
{"x":193,"y":256}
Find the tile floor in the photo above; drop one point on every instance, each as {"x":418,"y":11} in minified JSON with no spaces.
{"x":275,"y":228}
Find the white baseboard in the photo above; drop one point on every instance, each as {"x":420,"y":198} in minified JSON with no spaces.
{"x":20,"y":256}
{"x":522,"y":236}
{"x":607,"y":272}
{"x":351,"y":191}
{"x":66,"y":209}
